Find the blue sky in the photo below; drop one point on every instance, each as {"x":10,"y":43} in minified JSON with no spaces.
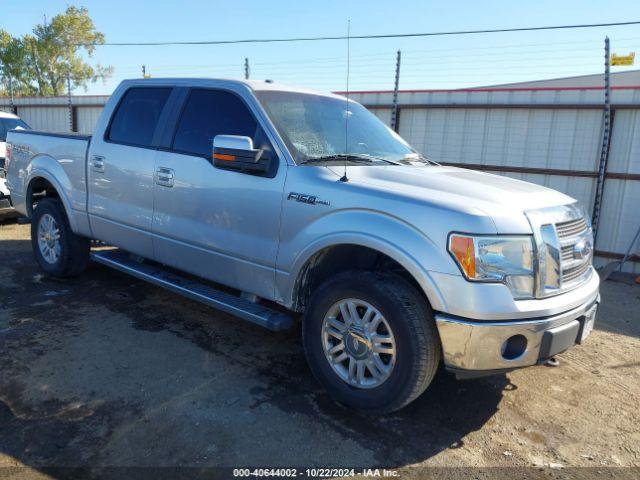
{"x":432,"y":62}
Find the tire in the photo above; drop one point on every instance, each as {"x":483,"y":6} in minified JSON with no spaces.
{"x":408,"y":316}
{"x":70,"y":251}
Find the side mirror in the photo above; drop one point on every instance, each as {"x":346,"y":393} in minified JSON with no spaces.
{"x":235,"y":152}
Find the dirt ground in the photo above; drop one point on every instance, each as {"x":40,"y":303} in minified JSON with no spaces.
{"x":105,"y":370}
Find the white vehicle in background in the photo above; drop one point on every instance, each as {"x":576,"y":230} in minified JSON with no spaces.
{"x":8,"y":121}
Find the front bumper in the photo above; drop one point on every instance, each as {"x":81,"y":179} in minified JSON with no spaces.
{"x":476,"y":348}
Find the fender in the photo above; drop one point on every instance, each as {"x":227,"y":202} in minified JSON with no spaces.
{"x":392,"y":236}
{"x":44,"y":166}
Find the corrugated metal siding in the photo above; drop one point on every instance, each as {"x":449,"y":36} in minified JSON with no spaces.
{"x":52,"y":113}
{"x":383,"y":114}
{"x":620,"y":217}
{"x":561,"y":139}
{"x":624,"y":154}
{"x":499,"y":96}
{"x":53,"y":119}
{"x":87,"y":118}
{"x":61,"y":101}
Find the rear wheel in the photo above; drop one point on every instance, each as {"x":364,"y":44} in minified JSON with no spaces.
{"x":371,"y":340}
{"x":58,"y":251}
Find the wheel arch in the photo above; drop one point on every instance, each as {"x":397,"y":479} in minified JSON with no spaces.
{"x":42,"y":184}
{"x":324,"y":259}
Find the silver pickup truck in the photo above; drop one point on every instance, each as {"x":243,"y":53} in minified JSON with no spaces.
{"x":251,"y":197}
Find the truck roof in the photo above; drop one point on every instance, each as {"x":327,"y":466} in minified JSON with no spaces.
{"x":255,"y":85}
{"x":7,"y":115}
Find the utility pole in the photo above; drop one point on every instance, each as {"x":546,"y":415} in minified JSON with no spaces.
{"x":606,"y":137}
{"x":71,"y":122}
{"x":246,"y":68}
{"x":13,"y":107}
{"x":394,"y":112}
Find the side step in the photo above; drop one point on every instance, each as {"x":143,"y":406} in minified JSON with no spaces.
{"x":231,"y":304}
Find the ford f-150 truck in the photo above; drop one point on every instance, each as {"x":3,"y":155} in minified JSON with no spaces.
{"x":267,"y":201}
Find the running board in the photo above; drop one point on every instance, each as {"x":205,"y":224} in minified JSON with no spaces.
{"x":201,"y":292}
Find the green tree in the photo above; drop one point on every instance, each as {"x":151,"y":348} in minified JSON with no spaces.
{"x":13,"y":66}
{"x":41,"y":62}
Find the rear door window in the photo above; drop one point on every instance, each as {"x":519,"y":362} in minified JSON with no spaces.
{"x":137,"y":115}
{"x":208,"y":113}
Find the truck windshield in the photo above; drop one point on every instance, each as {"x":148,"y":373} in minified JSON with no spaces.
{"x":313,"y":127}
{"x":7,"y":124}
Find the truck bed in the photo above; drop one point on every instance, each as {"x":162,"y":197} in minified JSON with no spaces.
{"x":62,"y":155}
{"x":12,"y":134}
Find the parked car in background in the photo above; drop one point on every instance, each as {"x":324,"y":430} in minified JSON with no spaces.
{"x":307,"y":200}
{"x":8,"y":121}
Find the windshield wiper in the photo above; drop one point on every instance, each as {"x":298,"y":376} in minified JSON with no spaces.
{"x":418,"y":156}
{"x":350,"y":157}
{"x":382,"y":159}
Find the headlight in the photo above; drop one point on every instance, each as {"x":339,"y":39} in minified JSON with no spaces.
{"x":508,"y":260}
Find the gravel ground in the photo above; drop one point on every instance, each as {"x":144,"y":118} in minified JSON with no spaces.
{"x":107,"y":371}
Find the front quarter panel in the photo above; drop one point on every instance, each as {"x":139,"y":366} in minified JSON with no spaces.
{"x":320,"y":211}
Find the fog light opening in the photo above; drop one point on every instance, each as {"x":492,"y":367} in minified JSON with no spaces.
{"x":514,"y":347}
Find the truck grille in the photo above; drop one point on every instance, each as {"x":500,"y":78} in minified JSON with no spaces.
{"x":571,"y":228}
{"x":564,"y":244}
{"x":574,"y":273}
{"x":567,"y":253}
{"x":573,"y":268}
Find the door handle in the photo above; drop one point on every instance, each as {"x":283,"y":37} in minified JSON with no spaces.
{"x":164,"y":176}
{"x":97,"y":162}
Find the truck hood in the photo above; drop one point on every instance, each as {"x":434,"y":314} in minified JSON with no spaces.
{"x":503,"y":199}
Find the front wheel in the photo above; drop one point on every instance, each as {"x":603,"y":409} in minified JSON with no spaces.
{"x":371,"y":341}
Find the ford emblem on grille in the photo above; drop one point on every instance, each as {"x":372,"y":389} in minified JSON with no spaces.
{"x":582,"y":249}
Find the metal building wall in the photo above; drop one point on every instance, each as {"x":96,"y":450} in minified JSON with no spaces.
{"x":383,"y":114}
{"x":620,"y":218}
{"x":87,"y":118}
{"x":53,"y":113}
{"x":54,"y":119}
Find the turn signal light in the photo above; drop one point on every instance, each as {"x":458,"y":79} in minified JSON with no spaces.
{"x":462,"y":248}
{"x":226,"y":158}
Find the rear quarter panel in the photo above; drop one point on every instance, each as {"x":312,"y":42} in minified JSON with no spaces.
{"x":58,"y":158}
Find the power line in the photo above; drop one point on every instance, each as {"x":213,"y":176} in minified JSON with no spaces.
{"x":362,"y":37}
{"x":385,"y":58}
{"x":521,"y":62}
{"x":415,"y":60}
{"x":391,"y":54}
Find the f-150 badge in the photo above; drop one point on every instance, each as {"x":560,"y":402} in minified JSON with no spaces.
{"x":305,"y":198}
